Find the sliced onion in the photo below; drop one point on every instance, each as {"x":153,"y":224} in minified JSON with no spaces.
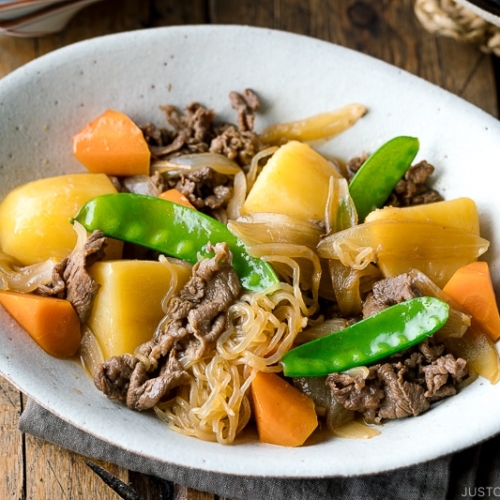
{"x":340,"y":211}
{"x":322,"y":329}
{"x":238,"y":197}
{"x":24,"y":279}
{"x":458,"y":321}
{"x":320,"y":126}
{"x":254,"y":165}
{"x":141,"y":184}
{"x":355,"y":429}
{"x":192,"y":162}
{"x":260,"y":228}
{"x":91,"y":354}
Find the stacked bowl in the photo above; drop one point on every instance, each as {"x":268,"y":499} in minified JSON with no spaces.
{"x":33,"y":18}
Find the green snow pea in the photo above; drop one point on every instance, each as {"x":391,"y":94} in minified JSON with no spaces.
{"x":379,"y":174}
{"x":171,"y":229}
{"x":371,"y":339}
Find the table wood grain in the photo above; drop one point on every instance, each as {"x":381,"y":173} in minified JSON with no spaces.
{"x":34,"y":469}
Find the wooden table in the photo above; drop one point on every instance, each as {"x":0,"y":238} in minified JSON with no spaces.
{"x":33,"y":469}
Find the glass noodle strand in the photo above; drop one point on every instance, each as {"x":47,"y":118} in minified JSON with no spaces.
{"x":262,"y":326}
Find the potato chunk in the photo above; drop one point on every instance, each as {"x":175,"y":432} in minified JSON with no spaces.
{"x":293,"y":182}
{"x":459,"y":213}
{"x":128,"y":306}
{"x":35,"y":217}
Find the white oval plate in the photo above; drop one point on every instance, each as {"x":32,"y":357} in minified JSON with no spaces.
{"x":45,"y":102}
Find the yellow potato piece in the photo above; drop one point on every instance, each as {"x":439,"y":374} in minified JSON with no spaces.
{"x":400,"y":245}
{"x":293,"y":182}
{"x":35,"y":217}
{"x":128,"y":305}
{"x":459,"y":213}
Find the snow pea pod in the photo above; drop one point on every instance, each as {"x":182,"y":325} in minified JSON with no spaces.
{"x":379,"y":174}
{"x":396,"y":328}
{"x":171,"y":229}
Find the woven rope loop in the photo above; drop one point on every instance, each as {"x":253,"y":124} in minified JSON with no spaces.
{"x":450,"y":19}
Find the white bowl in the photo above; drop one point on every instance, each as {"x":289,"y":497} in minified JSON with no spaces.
{"x":43,"y":103}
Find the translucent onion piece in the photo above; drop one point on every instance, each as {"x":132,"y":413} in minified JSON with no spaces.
{"x":349,"y":286}
{"x":340,"y":212}
{"x":81,"y":238}
{"x":141,"y":184}
{"x":458,"y":320}
{"x":254,"y":165}
{"x":397,"y":246}
{"x":320,"y":126}
{"x":24,"y":279}
{"x":476,"y":347}
{"x":91,"y":355}
{"x":259,"y":228}
{"x":355,"y":429}
{"x":321,"y":329}
{"x":192,"y":162}
{"x":358,"y":371}
{"x":238,"y":197}
{"x":345,"y":284}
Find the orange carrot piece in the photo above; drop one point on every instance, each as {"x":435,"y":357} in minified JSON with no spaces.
{"x":112,"y":144}
{"x":52,"y":323}
{"x":472,"y":288}
{"x":284,"y":415}
{"x":176,"y":196}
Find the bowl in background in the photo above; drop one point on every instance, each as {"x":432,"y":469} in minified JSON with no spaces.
{"x":35,"y":18}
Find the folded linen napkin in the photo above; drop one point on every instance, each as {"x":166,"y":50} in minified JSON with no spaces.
{"x":472,"y":473}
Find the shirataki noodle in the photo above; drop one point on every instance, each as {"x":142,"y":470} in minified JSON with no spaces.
{"x":261,"y":328}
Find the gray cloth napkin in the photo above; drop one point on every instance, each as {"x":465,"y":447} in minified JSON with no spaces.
{"x":472,"y":473}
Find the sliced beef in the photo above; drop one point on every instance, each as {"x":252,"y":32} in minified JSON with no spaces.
{"x":413,"y":188}
{"x":71,"y":279}
{"x":245,"y":104}
{"x":194,"y":320}
{"x":354,"y":164}
{"x":238,"y":145}
{"x":205,"y":188}
{"x":188,"y":132}
{"x":388,"y":292}
{"x":405,"y":385}
{"x":196,"y":131}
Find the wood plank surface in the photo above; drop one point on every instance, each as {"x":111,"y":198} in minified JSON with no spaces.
{"x":37,"y":470}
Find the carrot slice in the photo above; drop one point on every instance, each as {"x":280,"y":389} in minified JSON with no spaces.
{"x":112,"y":144}
{"x":52,"y":323}
{"x":176,"y":196}
{"x":472,"y":288}
{"x":284,"y":415}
